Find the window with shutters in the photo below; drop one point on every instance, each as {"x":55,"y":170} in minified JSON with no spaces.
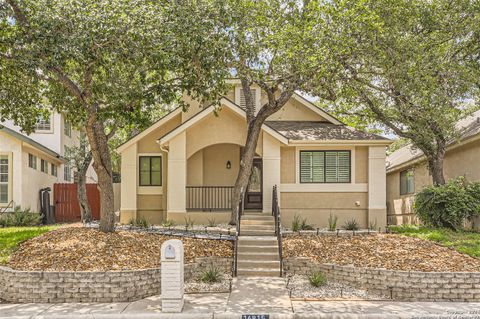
{"x":407,"y":182}
{"x":5,"y":178}
{"x":325,"y":166}
{"x":242,"y":98}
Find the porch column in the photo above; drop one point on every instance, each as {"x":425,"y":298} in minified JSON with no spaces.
{"x":271,"y":169}
{"x":177,"y":174}
{"x":377,"y":186}
{"x":128,"y":187}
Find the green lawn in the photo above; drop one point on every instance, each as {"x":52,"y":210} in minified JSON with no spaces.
{"x":462,"y":241}
{"x":10,"y":237}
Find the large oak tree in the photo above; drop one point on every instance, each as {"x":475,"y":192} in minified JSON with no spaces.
{"x":103,"y":63}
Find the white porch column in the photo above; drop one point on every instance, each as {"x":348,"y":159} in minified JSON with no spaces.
{"x":129,"y":185}
{"x":377,"y":186}
{"x":271,"y":169}
{"x":177,"y":174}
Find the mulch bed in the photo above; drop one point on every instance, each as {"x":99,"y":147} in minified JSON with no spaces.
{"x":380,"y":251}
{"x":84,"y":249}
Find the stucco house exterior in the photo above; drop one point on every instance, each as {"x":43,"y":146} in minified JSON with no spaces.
{"x":32,"y":162}
{"x":185,"y":165}
{"x":407,"y":171}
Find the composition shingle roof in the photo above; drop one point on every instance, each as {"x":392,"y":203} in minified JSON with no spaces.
{"x":468,"y":127}
{"x":315,"y":131}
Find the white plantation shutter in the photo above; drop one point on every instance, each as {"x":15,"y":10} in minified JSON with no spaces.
{"x":325,"y":167}
{"x":243,"y":104}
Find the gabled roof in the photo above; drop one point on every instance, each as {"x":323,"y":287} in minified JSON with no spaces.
{"x":320,"y":131}
{"x":206,"y":111}
{"x":469,"y":128}
{"x":31,"y":142}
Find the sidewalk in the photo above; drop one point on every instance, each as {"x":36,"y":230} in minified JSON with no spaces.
{"x":215,"y":306}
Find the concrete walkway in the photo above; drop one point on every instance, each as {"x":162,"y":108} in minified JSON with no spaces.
{"x":258,"y":295}
{"x":214,"y":306}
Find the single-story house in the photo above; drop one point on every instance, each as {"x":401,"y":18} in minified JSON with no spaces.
{"x":185,"y":165}
{"x":407,"y":171}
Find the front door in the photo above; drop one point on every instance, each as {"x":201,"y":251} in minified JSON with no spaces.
{"x":253,"y":197}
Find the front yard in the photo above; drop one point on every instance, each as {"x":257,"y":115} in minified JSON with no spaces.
{"x":11,"y":237}
{"x":462,"y":241}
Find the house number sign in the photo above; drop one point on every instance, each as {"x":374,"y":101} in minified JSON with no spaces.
{"x":255,"y":316}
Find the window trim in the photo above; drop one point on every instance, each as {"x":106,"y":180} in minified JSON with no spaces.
{"x":36,"y":161}
{"x":325,"y":166}
{"x":140,"y":156}
{"x":44,"y":131}
{"x":53,"y":170}
{"x":66,"y":167}
{"x":44,"y":166}
{"x":10,"y":178}
{"x":400,"y":181}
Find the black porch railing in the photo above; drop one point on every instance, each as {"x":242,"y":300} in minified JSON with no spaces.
{"x":278,"y":225}
{"x":209,"y":198}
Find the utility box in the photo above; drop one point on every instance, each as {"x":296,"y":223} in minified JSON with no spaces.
{"x":172,"y":275}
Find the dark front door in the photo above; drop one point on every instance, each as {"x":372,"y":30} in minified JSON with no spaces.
{"x":253,"y":197}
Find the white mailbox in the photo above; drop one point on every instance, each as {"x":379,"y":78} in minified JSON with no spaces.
{"x":172,"y":275}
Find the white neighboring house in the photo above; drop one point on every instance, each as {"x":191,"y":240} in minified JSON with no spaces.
{"x":29,"y":163}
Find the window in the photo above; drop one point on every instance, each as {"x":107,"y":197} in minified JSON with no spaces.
{"x":43,"y":124}
{"x":325,"y":167}
{"x":4,"y":179}
{"x":407,"y":182}
{"x":67,"y":173}
{"x":67,"y":128}
{"x":32,"y":161}
{"x":150,"y":171}
{"x":53,"y":169}
{"x":44,"y":166}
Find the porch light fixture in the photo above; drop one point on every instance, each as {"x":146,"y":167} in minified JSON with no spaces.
{"x":229,"y":165}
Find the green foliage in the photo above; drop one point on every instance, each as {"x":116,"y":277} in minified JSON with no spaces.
{"x":11,"y":237}
{"x":467,"y":242}
{"x":141,"y":222}
{"x":300,"y":224}
{"x":168,"y":223}
{"x":332,"y":222}
{"x":188,"y":222}
{"x":351,"y":224}
{"x":448,"y":205}
{"x":317,"y":279}
{"x":211,"y":275}
{"x":20,"y":217}
{"x":211,"y":222}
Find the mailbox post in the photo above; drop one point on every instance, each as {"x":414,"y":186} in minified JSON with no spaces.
{"x":172,"y":275}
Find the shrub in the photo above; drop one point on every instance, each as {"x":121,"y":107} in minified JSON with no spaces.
{"x":317,"y":279}
{"x":300,"y":224}
{"x":168,"y":223}
{"x":373,"y":224}
{"x":20,"y":217}
{"x":188,"y":222}
{"x":351,"y":225}
{"x":140,"y":222}
{"x":211,"y":274}
{"x":448,"y":205}
{"x":332,"y":222}
{"x":212,"y":222}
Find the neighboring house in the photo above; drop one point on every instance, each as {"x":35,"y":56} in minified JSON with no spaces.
{"x":32,"y":162}
{"x":407,"y":171}
{"x":185,"y":165}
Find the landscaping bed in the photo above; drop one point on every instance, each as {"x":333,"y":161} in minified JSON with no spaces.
{"x":389,"y":251}
{"x":87,"y":249}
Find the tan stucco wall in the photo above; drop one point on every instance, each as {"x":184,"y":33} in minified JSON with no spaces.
{"x":316,"y":207}
{"x":295,"y":111}
{"x":149,"y":144}
{"x":459,"y":161}
{"x":199,"y":218}
{"x":361,"y":164}
{"x":287,"y":165}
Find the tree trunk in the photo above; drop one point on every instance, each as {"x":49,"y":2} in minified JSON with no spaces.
{"x":102,"y":164}
{"x":245,"y":171}
{"x":435,"y":166}
{"x":85,"y":209}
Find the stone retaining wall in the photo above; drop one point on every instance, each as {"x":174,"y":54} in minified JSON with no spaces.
{"x":91,"y":286}
{"x":396,"y":284}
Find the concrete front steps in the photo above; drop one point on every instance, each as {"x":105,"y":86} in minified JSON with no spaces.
{"x":258,"y":246}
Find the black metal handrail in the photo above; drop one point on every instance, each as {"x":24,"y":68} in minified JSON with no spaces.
{"x":209,"y":198}
{"x":239,"y":218}
{"x":278,"y":225}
